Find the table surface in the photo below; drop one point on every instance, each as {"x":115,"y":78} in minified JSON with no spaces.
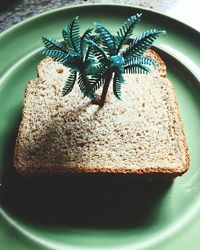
{"x":14,"y":11}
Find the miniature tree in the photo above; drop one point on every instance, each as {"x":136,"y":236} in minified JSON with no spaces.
{"x":105,"y":58}
{"x":116,"y":59}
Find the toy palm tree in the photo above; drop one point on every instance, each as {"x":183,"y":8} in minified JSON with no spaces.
{"x":93,"y":63}
{"x":116,"y":60}
{"x":74,"y":53}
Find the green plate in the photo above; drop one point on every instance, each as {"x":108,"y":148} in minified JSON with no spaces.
{"x":37,"y":214}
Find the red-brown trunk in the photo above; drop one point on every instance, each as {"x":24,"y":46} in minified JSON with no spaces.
{"x":105,"y":90}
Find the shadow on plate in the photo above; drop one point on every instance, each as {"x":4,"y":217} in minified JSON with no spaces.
{"x":78,"y":201}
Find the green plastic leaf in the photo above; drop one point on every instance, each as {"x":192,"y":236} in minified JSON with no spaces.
{"x":83,"y":83}
{"x":118,"y":80}
{"x":94,"y":69}
{"x":66,"y":38}
{"x":137,"y":69}
{"x":56,"y":54}
{"x":89,"y":53}
{"x":52,"y":44}
{"x":126,"y":30}
{"x":72,"y":60}
{"x":83,"y":42}
{"x":96,"y":39}
{"x":73,"y":34}
{"x":142,"y":43}
{"x":70,"y":83}
{"x":99,"y":53}
{"x":143,"y":60}
{"x":117,"y":63}
{"x":96,"y":82}
{"x":108,"y":40}
{"x":65,"y":35}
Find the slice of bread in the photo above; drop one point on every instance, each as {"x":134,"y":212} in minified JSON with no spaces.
{"x":141,"y":135}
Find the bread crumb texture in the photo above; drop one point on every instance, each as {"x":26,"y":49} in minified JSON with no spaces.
{"x":142,"y":134}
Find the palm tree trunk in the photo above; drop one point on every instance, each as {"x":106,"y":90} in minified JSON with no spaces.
{"x":105,"y":89}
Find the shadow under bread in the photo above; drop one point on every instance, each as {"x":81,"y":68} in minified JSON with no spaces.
{"x":79,"y":200}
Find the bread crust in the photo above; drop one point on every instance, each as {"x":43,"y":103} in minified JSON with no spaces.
{"x":162,"y":69}
{"x":150,"y":171}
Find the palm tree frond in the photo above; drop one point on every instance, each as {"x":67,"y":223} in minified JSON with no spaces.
{"x":94,"y":69}
{"x":56,"y":54}
{"x":118,"y":80}
{"x":50,"y":43}
{"x":84,"y":83}
{"x":144,"y":60}
{"x":97,"y":39}
{"x":89,"y":54}
{"x":126,"y":30}
{"x":108,"y":40}
{"x":137,"y":69}
{"x":70,"y":83}
{"x":96,"y":82}
{"x":142,"y":43}
{"x":65,"y":36}
{"x":83,"y":42}
{"x":72,"y":60}
{"x":73,"y":34}
{"x":99,"y":53}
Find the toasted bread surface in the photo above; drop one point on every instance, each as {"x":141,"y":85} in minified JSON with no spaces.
{"x":141,"y":135}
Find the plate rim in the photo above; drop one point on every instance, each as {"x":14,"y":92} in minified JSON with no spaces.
{"x":45,"y":13}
